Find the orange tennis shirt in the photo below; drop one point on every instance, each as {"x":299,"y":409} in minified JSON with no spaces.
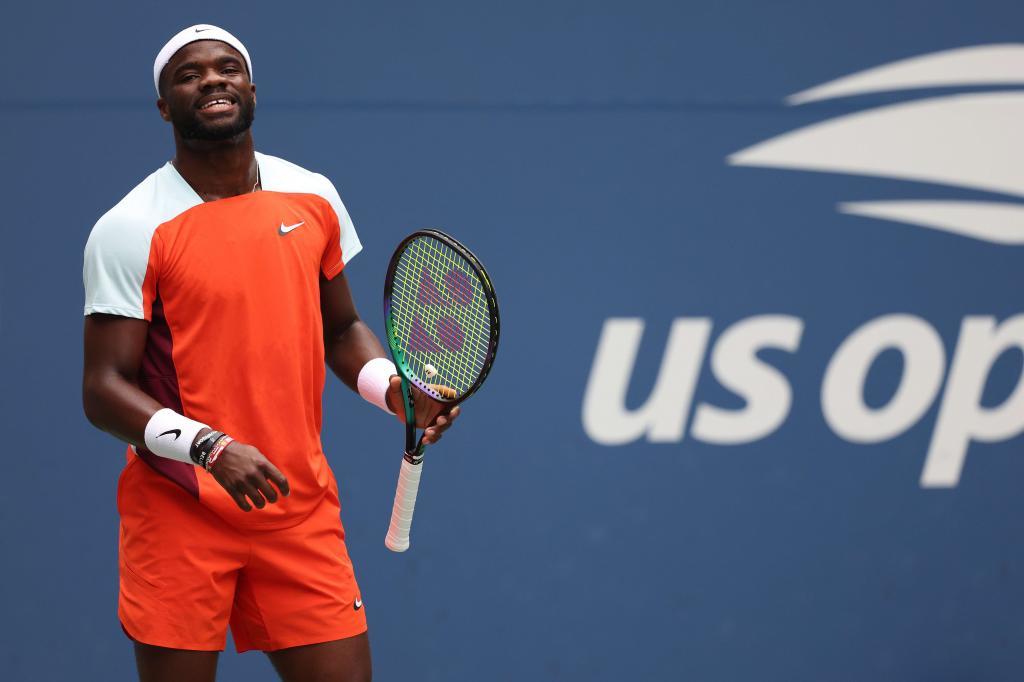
{"x":231,"y":289}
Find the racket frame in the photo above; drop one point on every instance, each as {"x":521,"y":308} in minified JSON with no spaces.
{"x":413,"y":456}
{"x":398,"y":355}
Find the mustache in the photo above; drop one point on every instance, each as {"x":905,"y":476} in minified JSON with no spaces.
{"x":191,"y":126}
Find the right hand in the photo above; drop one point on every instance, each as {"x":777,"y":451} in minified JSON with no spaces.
{"x":244,"y":472}
{"x":432,"y":416}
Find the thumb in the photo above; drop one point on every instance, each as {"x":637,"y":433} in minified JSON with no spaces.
{"x":394,"y":395}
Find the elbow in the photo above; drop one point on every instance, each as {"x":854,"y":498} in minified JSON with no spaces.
{"x":337,"y":332}
{"x":92,"y":399}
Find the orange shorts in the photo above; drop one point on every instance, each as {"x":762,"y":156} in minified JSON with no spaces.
{"x":186,"y":574}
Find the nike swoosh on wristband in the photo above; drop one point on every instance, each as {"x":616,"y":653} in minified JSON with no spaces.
{"x":285,"y":229}
{"x":176,"y":432}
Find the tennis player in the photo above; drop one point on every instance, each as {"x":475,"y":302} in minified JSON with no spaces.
{"x":213,"y":293}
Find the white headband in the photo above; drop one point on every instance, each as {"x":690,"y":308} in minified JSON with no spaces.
{"x":191,"y":35}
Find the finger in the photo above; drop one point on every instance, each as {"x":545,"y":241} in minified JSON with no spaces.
{"x":253,"y":494}
{"x":446,"y":391}
{"x":431,"y":436}
{"x":277,"y":477}
{"x":240,"y":500}
{"x":448,"y":414}
{"x":261,"y":483}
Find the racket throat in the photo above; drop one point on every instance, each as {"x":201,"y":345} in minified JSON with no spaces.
{"x":413,"y":448}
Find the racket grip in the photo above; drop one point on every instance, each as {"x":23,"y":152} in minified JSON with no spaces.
{"x":397,"y":539}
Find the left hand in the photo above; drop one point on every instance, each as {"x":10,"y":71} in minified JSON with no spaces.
{"x":434,"y":416}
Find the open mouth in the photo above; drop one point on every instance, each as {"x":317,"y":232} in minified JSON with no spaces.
{"x":217,"y":104}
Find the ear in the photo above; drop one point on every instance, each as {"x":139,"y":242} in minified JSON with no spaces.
{"x":165,"y":112}
{"x":253,"y":88}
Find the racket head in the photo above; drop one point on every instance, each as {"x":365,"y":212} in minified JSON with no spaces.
{"x":441,"y":316}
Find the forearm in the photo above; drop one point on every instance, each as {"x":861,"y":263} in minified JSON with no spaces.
{"x":349,"y":344}
{"x":114,"y":403}
{"x":346,"y":351}
{"x":118,"y":406}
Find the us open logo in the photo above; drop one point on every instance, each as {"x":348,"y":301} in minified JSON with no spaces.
{"x":972,"y":140}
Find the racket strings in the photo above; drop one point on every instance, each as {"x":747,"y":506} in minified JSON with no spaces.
{"x":437,"y":331}
{"x":453,"y":313}
{"x":440,"y":316}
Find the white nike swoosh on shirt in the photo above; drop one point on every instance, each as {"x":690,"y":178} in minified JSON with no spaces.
{"x":285,"y":229}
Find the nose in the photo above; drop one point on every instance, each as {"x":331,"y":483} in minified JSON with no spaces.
{"x":211,"y":77}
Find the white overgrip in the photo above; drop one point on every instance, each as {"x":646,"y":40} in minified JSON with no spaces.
{"x":397,"y":539}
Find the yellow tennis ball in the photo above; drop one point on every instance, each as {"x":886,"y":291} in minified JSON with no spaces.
{"x":430,"y":371}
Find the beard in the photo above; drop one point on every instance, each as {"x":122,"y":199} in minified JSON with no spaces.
{"x":191,"y":127}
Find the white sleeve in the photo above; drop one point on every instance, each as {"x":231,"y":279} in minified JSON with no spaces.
{"x":350,"y":244}
{"x":116,"y":259}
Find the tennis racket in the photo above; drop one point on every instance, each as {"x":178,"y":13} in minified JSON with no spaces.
{"x":442,"y":324}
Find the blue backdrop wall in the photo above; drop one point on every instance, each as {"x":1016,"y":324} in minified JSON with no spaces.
{"x":757,"y":410}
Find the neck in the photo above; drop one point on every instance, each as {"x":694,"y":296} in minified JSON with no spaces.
{"x":217,"y":170}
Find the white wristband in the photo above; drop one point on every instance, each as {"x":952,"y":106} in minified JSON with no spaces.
{"x":171,"y":435}
{"x":374,"y":379}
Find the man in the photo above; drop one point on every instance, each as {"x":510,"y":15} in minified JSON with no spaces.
{"x":214,"y":291}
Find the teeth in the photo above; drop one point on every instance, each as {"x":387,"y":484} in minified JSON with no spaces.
{"x":216,"y":101}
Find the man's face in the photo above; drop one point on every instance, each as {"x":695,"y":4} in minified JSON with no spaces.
{"x":206,"y":93}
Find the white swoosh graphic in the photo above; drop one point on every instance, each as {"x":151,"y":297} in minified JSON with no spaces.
{"x":986,"y":220}
{"x":974,"y":141}
{"x":978,"y":65}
